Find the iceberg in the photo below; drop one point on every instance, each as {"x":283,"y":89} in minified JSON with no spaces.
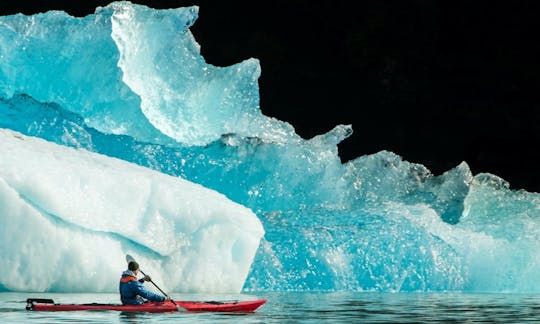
{"x":128,"y":82}
{"x":69,"y":216}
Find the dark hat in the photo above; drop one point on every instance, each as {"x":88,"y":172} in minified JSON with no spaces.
{"x":132,"y":266}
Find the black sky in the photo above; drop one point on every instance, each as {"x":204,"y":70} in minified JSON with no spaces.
{"x":437,"y":82}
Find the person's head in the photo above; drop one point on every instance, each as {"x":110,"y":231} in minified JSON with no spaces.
{"x":133,"y":266}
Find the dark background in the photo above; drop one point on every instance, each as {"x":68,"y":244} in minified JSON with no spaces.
{"x":437,"y":82}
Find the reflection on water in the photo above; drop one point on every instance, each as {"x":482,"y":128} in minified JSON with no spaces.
{"x":291,"y":307}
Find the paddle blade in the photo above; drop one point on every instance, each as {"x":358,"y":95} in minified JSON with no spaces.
{"x":129,"y":258}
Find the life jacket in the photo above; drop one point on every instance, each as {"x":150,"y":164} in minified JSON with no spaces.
{"x":128,"y":278}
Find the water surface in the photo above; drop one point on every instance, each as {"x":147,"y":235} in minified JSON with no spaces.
{"x":301,"y":307}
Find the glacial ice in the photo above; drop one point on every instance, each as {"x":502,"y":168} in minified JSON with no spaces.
{"x":69,"y":216}
{"x":128,"y":82}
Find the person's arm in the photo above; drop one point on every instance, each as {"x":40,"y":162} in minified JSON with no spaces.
{"x":145,"y":293}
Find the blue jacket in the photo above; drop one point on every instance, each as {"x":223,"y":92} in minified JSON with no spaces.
{"x":131,"y":290}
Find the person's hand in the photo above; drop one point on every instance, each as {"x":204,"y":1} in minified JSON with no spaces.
{"x":147,"y":278}
{"x":167,"y":298}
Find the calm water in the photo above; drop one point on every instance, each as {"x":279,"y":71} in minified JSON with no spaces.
{"x":301,"y":308}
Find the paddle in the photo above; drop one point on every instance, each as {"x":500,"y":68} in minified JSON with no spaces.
{"x":129,"y":258}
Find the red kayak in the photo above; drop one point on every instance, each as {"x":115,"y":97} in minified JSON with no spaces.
{"x":248,"y":306}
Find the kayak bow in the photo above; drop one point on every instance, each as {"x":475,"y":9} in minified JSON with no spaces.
{"x":248,"y":306}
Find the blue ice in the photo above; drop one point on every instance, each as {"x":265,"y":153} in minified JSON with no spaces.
{"x":128,"y":82}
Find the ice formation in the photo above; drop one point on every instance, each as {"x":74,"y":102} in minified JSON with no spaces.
{"x":128,"y":82}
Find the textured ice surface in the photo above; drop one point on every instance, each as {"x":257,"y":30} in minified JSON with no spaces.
{"x":129,"y":82}
{"x":69,"y":216}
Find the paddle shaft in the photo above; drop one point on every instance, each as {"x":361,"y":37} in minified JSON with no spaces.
{"x":152,"y":281}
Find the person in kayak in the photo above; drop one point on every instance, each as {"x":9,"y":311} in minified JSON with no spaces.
{"x":132,"y":291}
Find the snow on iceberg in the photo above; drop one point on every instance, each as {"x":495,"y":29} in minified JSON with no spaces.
{"x":69,"y":217}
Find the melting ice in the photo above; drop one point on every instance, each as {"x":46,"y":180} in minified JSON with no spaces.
{"x":129,"y":83}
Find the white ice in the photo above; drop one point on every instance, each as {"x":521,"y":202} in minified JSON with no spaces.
{"x":68,"y":217}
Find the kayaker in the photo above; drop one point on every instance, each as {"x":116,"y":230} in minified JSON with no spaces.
{"x":132,"y":291}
